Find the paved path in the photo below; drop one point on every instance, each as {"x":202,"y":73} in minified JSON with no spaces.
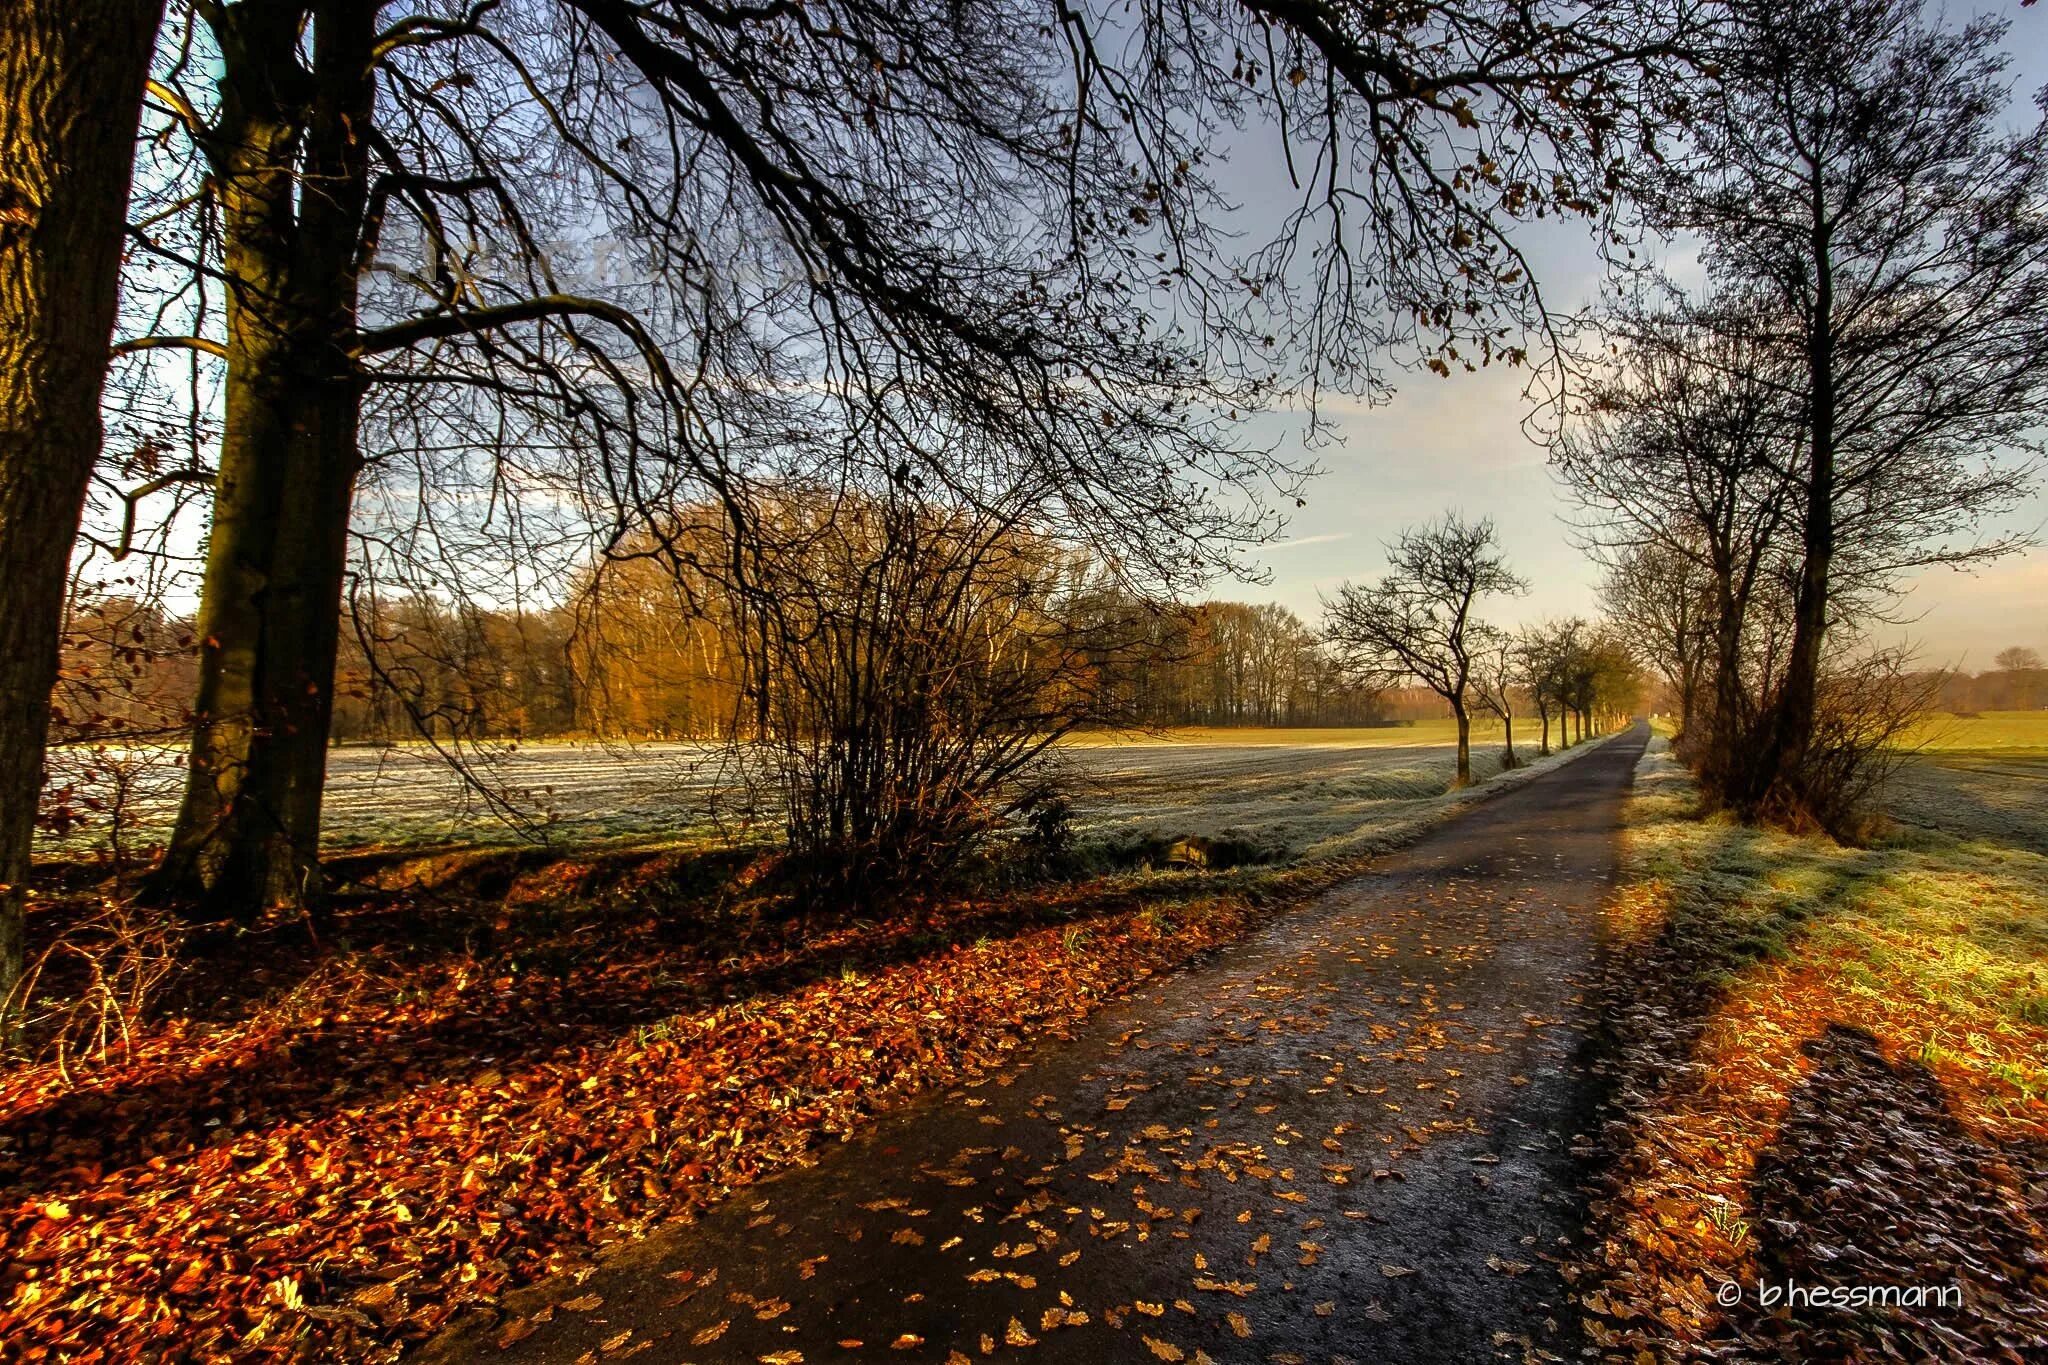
{"x":1346,"y":1139}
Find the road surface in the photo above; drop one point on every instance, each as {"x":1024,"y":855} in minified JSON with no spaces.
{"x":1348,"y":1138}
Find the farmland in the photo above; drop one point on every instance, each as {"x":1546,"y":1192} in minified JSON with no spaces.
{"x":1285,"y":791}
{"x":1981,"y":777}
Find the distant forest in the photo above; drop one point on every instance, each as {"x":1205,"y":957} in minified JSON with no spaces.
{"x":626,"y":660}
{"x":2017,"y":681}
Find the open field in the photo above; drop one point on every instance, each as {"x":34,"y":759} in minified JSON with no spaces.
{"x":1985,"y":731}
{"x":1982,"y":776}
{"x":1439,"y":731}
{"x":1285,"y":791}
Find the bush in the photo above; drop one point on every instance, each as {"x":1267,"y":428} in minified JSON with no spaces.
{"x":1864,"y":710}
{"x":907,"y":664}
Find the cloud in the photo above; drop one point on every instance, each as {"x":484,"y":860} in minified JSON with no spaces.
{"x":1306,"y":540}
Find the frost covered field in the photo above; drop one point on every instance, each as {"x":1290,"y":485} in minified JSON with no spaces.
{"x":1287,"y":791}
{"x":1322,"y":794}
{"x":2001,"y":797}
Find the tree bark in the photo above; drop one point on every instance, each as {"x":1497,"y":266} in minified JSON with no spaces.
{"x":254,"y":149}
{"x":71,"y":80}
{"x":1464,"y":745}
{"x":1778,"y":776}
{"x":248,"y":832}
{"x":1721,"y":759}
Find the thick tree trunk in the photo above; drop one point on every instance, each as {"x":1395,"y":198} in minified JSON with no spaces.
{"x":255,"y":151}
{"x":248,"y":833}
{"x":1509,"y":722}
{"x":71,"y":78}
{"x":1464,"y":745}
{"x":1543,"y":714}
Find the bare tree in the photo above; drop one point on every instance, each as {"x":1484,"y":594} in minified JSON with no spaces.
{"x":2018,"y":659}
{"x":1680,"y":454}
{"x":1496,"y":675}
{"x":1416,"y":622}
{"x":71,"y":74}
{"x":1537,"y":657}
{"x":1665,"y":601}
{"x":1849,"y":171}
{"x":907,"y":660}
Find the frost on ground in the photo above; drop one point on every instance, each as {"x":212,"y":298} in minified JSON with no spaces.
{"x":1283,"y":800}
{"x":1306,"y":802}
{"x":1826,"y":1067}
{"x":2001,"y":797}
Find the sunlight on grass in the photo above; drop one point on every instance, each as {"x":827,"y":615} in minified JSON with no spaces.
{"x":1938,"y":933}
{"x":1985,"y":730}
{"x":1743,"y":959}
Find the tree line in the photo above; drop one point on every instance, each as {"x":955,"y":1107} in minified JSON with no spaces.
{"x":1419,"y":623}
{"x":627,"y":658}
{"x":1852,"y":393}
{"x":2016,"y":681}
{"x":920,"y":337}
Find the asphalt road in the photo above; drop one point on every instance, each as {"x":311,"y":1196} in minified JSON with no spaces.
{"x":1348,"y":1138}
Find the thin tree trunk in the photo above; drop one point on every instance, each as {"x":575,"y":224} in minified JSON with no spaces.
{"x":1508,"y":721}
{"x":1688,"y":698}
{"x":1464,"y":745}
{"x":71,"y":78}
{"x":1722,"y":755}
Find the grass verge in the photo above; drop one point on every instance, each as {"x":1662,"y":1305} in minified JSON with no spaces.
{"x":1829,"y":1068}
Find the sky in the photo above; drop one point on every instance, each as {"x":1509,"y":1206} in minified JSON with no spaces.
{"x":1457,"y":444}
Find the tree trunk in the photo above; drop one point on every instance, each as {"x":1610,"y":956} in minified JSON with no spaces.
{"x":1688,"y":698}
{"x":1464,"y":745}
{"x":254,"y":149}
{"x":71,"y":77}
{"x":1778,"y":775}
{"x":248,"y":833}
{"x":1508,"y":721}
{"x":1722,"y":756}
{"x":1543,"y":714}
